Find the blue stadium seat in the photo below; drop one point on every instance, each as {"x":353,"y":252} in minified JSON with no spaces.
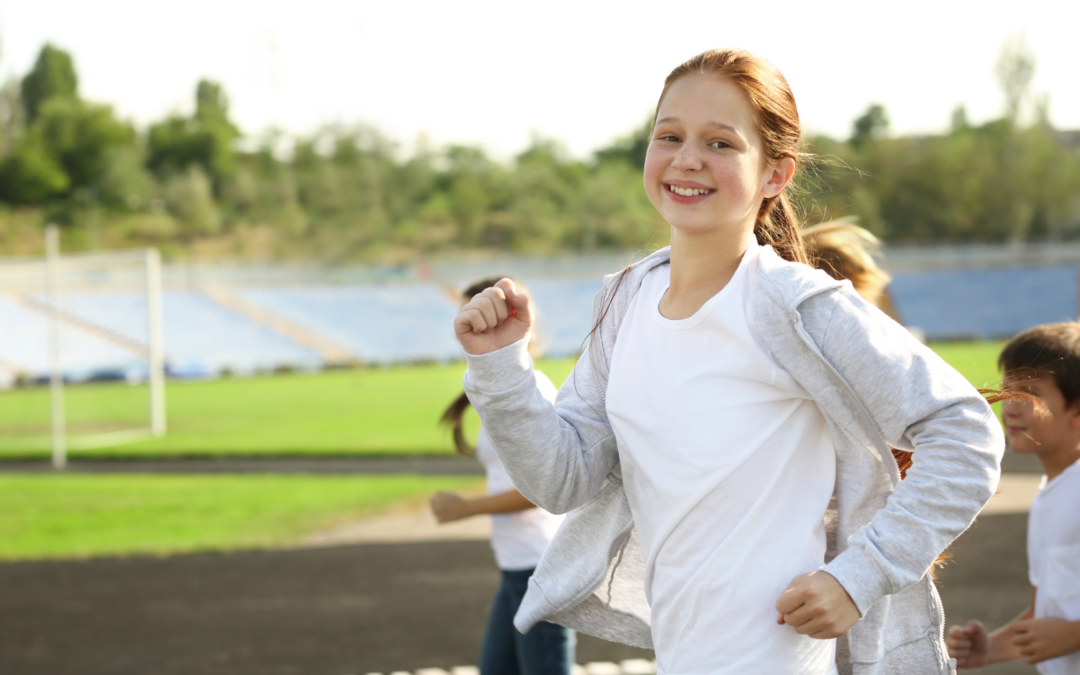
{"x":200,"y":336}
{"x":24,"y":346}
{"x":564,"y":316}
{"x":985,"y":304}
{"x":379,"y":324}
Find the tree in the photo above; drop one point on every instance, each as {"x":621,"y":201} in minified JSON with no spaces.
{"x":1014,"y":69}
{"x":80,"y":135}
{"x":206,"y":139}
{"x":53,"y":76}
{"x":631,"y":148}
{"x":872,"y":125}
{"x":32,"y":174}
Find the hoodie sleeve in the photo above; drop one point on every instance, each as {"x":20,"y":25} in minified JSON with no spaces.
{"x":558,"y":455}
{"x":919,"y":403}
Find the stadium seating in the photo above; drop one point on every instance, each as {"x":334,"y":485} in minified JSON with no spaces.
{"x":24,"y":347}
{"x":404,"y":323}
{"x":379,"y":324}
{"x":200,"y":336}
{"x":564,"y":316}
{"x":985,"y":304}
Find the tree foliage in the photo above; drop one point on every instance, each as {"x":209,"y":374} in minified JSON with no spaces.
{"x":53,"y":77}
{"x":348,"y":193}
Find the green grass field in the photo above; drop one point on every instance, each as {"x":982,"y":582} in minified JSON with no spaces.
{"x":370,"y":411}
{"x":375,"y":411}
{"x":66,"y":516}
{"x":366,"y":411}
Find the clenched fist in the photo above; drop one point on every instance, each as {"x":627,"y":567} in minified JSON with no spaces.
{"x":817,"y":605}
{"x":495,"y":318}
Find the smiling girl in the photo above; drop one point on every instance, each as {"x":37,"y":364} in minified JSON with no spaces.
{"x":723,"y":445}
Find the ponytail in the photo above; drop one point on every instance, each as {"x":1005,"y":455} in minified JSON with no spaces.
{"x":777,"y":225}
{"x":453,"y":416}
{"x":455,"y":412}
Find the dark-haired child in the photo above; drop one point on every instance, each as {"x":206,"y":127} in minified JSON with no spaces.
{"x":1044,"y":363}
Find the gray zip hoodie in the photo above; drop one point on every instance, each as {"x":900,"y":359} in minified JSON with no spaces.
{"x":877,"y":387}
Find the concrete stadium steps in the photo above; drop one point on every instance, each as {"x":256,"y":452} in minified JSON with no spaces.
{"x":201,"y":336}
{"x":378,"y":324}
{"x":628,"y":667}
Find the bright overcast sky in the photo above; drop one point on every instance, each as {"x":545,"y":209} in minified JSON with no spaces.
{"x":495,"y":73}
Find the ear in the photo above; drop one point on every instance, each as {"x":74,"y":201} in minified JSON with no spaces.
{"x":778,"y":176}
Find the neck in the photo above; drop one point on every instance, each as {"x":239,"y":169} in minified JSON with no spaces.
{"x":1054,"y":464}
{"x":702,"y":264}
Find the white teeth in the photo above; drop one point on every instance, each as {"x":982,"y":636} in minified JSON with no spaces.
{"x":687,"y":192}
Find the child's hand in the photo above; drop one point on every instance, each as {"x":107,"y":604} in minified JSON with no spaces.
{"x":1046,"y":638}
{"x":494,"y":318}
{"x":969,"y":645}
{"x":817,"y":605}
{"x":448,"y":507}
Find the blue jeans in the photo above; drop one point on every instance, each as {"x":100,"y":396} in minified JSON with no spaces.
{"x":548,"y":649}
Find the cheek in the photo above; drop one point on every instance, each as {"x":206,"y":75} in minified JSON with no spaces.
{"x":655,"y":163}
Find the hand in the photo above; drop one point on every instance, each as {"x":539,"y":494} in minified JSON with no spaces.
{"x":495,"y":318}
{"x":448,"y":507}
{"x":1046,"y":638}
{"x":969,"y":645}
{"x":817,"y":605}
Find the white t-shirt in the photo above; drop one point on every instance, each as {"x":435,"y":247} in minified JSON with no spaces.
{"x":728,"y":466}
{"x":519,"y":538}
{"x":1054,"y":557}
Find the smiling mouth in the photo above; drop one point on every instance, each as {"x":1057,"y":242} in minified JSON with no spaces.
{"x":688,"y":192}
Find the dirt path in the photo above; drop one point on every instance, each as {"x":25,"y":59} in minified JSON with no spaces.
{"x":341,"y":610}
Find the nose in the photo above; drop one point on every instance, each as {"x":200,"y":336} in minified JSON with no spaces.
{"x":688,"y":158}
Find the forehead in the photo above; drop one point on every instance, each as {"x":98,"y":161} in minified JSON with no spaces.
{"x":703,"y":98}
{"x":1036,"y":381}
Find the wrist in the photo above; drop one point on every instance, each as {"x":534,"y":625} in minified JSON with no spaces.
{"x":472,"y":507}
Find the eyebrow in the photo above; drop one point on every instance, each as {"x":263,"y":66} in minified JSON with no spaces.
{"x":719,"y":125}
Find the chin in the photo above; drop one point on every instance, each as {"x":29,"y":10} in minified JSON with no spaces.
{"x":1023,"y":448}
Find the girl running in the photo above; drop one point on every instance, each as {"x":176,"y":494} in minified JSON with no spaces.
{"x":723,"y":445}
{"x":520,"y":532}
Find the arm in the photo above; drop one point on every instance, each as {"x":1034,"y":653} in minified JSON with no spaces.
{"x":922,"y":404}
{"x":449,"y":507}
{"x":1049,"y":637}
{"x":558,"y":455}
{"x":972,"y":646}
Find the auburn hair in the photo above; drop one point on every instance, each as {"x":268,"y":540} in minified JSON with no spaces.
{"x":777,"y":222}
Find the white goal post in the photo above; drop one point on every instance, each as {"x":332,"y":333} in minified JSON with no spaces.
{"x":97,"y":306}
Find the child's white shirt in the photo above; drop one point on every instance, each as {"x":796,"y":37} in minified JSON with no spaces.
{"x":519,"y":538}
{"x":1054,"y":557}
{"x":728,"y":466}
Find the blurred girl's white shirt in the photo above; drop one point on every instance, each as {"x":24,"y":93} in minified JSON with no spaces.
{"x":519,"y":538}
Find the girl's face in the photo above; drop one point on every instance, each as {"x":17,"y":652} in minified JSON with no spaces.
{"x":706,"y":169}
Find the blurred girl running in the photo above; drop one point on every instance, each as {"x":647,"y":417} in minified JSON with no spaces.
{"x":520,"y":532}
